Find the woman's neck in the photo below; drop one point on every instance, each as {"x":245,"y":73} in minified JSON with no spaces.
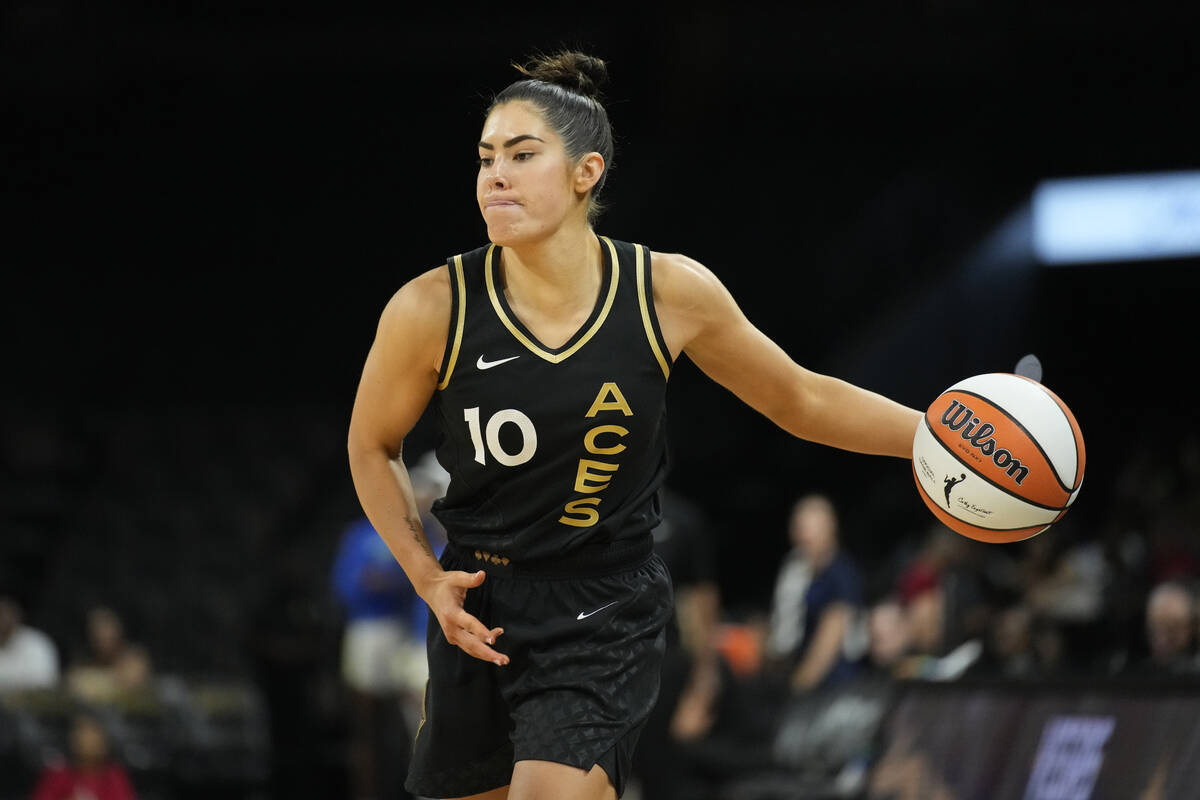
{"x":557,"y":275}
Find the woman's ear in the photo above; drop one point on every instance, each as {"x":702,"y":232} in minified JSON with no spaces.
{"x":588,"y":171}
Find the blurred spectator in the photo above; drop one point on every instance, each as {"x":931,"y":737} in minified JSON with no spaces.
{"x":944,"y":592}
{"x":690,"y":675}
{"x":112,"y":665}
{"x":90,"y":773}
{"x":1171,"y":625}
{"x":1063,"y":581}
{"x":28,"y":657}
{"x":817,"y":592}
{"x":889,"y":638}
{"x":383,"y":642}
{"x":801,"y":659}
{"x":927,"y":617}
{"x":941,"y":650}
{"x":923,"y":570}
{"x":1011,"y":653}
{"x":1071,"y":589}
{"x":949,"y":562}
{"x":1172,"y":545}
{"x":1021,"y":645}
{"x":1170,"y":620}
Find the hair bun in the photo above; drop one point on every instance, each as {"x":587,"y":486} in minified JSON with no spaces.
{"x":570,"y":69}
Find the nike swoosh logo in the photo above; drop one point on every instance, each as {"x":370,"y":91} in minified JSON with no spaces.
{"x":482,"y":364}
{"x":586,"y":614}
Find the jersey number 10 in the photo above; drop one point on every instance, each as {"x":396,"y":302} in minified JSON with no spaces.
{"x":490,"y":434}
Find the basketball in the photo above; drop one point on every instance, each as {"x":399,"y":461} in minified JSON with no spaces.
{"x":998,"y":458}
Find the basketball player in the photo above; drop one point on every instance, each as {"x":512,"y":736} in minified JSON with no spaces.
{"x":545,"y":355}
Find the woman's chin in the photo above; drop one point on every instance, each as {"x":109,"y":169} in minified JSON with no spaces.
{"x":508,"y":235}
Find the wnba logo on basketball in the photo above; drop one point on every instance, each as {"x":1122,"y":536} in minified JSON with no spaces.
{"x":978,"y":434}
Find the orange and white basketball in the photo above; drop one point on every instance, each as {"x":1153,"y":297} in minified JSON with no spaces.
{"x":998,"y":458}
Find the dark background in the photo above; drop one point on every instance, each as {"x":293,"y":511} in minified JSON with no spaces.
{"x":209,"y":204}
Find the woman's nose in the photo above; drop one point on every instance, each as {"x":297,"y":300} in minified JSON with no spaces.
{"x":495,"y":174}
{"x":496,"y":178}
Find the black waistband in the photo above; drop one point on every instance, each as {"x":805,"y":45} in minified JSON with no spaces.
{"x":587,"y":561}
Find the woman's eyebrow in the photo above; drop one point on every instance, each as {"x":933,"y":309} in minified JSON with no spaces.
{"x":512,"y":141}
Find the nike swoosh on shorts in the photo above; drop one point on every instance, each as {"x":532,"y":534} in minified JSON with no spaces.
{"x":586,"y":614}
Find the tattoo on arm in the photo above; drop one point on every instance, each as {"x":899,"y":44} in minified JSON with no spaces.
{"x":419,"y":536}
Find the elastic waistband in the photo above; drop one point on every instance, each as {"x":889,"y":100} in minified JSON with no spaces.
{"x":587,"y":561}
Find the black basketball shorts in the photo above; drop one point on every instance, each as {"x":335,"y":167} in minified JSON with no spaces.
{"x":585,"y":655}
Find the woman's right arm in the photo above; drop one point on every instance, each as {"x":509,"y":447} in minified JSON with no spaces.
{"x":397,"y":383}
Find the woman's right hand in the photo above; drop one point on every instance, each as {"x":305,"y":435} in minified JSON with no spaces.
{"x":445,"y":596}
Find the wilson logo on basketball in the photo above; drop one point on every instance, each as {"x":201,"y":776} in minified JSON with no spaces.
{"x":978,"y":434}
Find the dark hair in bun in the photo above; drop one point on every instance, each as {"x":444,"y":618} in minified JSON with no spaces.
{"x":570,"y":69}
{"x":565,"y":87}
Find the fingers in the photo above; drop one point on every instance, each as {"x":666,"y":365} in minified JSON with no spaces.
{"x":465,"y":580}
{"x":461,"y":628}
{"x":473,"y":638}
{"x":474,"y":627}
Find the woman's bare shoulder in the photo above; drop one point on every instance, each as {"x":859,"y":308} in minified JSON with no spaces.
{"x":420,"y":302}
{"x":681,"y":281}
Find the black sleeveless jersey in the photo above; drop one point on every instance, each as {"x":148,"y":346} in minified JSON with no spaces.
{"x":551,"y":449}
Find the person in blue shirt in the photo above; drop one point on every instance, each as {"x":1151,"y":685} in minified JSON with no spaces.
{"x":808,"y":647}
{"x":383,"y":661}
{"x":818,"y":593}
{"x":374,"y":593}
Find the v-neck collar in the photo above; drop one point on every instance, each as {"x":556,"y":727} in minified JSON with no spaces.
{"x":585,"y":332}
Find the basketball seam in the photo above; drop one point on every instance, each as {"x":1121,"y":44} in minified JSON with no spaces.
{"x":1072,"y":423}
{"x":1030,"y":436}
{"x":988,"y":480}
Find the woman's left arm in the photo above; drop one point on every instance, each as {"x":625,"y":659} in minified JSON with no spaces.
{"x":699,"y":317}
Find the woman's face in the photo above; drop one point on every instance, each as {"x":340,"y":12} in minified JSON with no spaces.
{"x":526,"y":186}
{"x":89,"y":743}
{"x":104,"y":630}
{"x":814,"y":530}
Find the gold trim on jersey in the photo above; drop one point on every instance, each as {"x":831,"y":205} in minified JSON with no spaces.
{"x":421,"y":722}
{"x":644,"y":304}
{"x":461,"y":282}
{"x":532,"y":346}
